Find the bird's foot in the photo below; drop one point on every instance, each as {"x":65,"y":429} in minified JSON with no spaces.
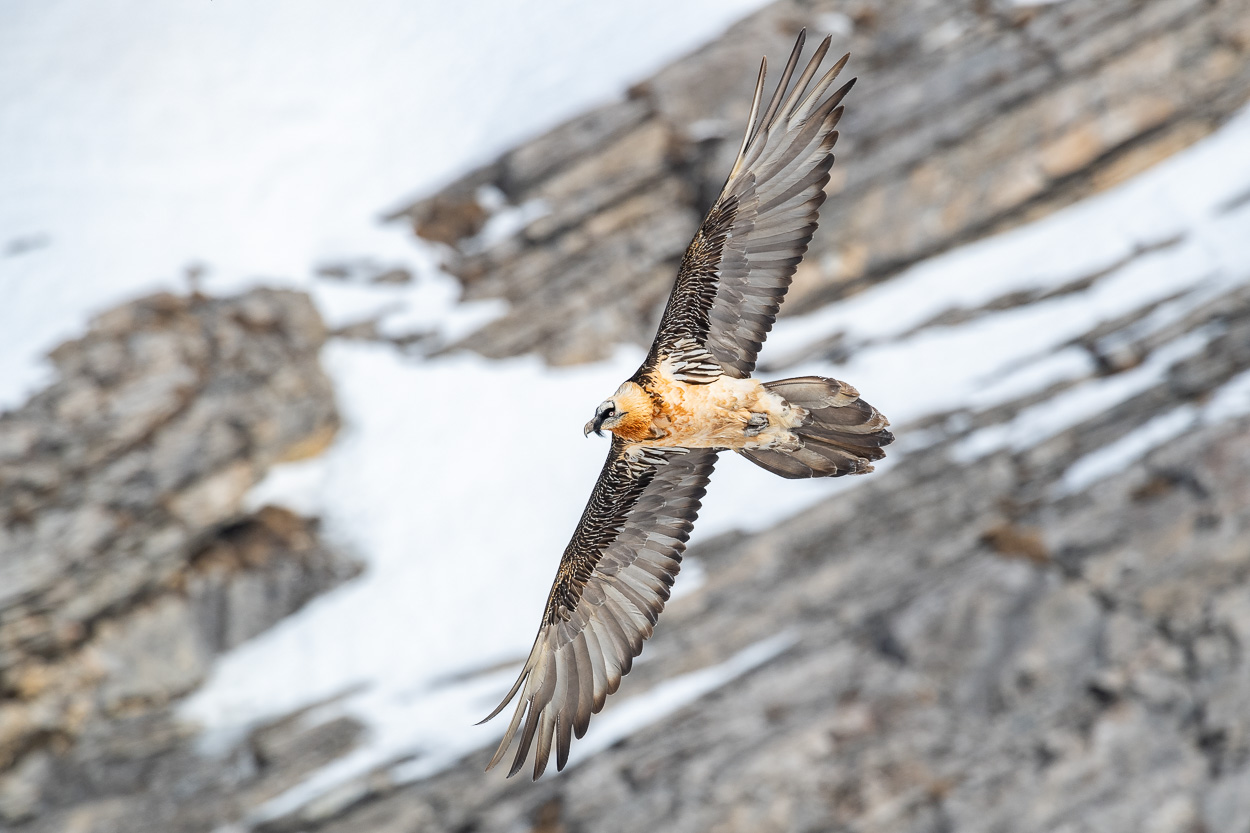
{"x":756,"y":425}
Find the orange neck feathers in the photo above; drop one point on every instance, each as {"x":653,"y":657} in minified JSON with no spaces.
{"x":638,"y":409}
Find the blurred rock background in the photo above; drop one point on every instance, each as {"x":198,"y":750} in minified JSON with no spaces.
{"x":969,"y":118}
{"x":976,"y":646}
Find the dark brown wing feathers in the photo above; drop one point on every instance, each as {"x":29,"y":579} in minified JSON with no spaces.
{"x":738,"y":267}
{"x":612,"y":584}
{"x":687,"y":315}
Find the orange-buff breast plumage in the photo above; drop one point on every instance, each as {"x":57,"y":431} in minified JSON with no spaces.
{"x":671,"y":413}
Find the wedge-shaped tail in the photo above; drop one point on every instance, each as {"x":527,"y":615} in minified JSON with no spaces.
{"x":841,"y":434}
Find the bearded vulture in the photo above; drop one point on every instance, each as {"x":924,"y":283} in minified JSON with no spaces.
{"x":692,"y":398}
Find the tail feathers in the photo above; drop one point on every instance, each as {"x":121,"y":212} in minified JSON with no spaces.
{"x":841,"y":434}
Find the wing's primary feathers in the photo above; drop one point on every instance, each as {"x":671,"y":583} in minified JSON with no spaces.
{"x":612,"y":584}
{"x":737,"y":269}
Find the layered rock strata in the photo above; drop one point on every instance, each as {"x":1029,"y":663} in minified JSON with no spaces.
{"x":968,"y":117}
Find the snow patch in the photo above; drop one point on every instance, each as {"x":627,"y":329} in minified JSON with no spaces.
{"x":1230,"y":401}
{"x":1072,"y":407}
{"x":1119,"y":455}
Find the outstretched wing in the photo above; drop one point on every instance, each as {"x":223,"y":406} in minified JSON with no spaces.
{"x":611,"y":586}
{"x":737,"y":269}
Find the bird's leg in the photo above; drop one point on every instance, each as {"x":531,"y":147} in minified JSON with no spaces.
{"x":756,"y":425}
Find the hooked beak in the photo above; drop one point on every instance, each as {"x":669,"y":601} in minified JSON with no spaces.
{"x":594,"y":425}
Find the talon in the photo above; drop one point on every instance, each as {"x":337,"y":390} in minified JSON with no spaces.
{"x":756,"y":425}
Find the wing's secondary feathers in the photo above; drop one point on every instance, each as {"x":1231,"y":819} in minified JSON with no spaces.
{"x":612,"y":584}
{"x":737,"y":269}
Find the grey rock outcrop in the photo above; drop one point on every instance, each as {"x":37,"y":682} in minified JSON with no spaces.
{"x":127,"y":561}
{"x":968,"y":117}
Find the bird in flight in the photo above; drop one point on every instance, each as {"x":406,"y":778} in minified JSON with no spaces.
{"x":692,"y":398}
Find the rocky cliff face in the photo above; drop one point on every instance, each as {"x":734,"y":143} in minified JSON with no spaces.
{"x":968,"y":117}
{"x":977,"y":641}
{"x":126,"y":558}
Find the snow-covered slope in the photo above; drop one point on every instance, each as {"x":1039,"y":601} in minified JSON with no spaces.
{"x":139,"y":139}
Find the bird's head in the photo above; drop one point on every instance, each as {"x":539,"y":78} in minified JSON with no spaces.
{"x":627,"y":414}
